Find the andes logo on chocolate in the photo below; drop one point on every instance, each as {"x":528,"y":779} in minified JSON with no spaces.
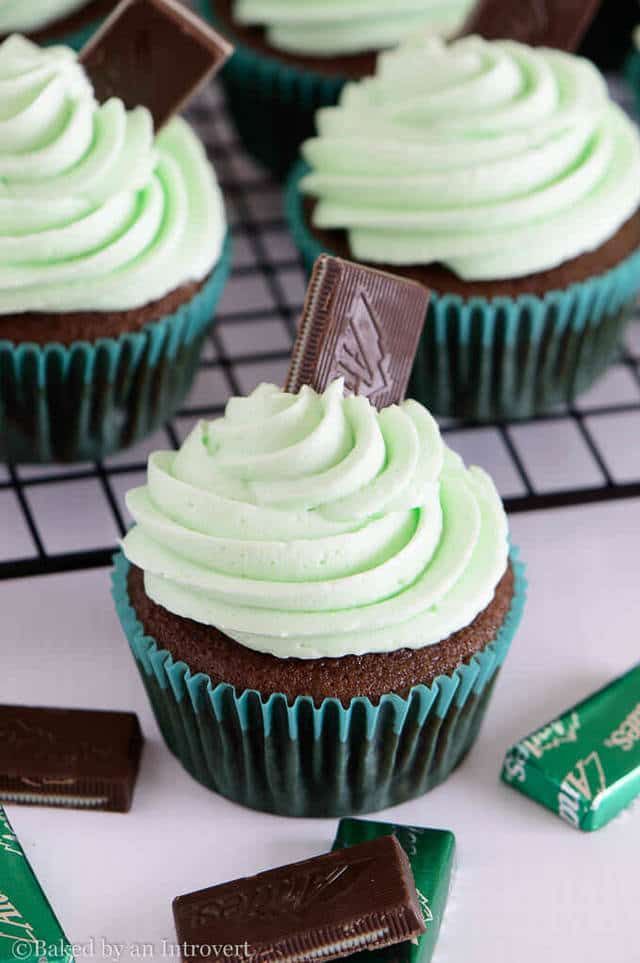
{"x":288,"y":895}
{"x":361,"y":358}
{"x":41,"y":744}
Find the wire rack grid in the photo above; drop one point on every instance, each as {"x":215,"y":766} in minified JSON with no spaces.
{"x":65,"y":518}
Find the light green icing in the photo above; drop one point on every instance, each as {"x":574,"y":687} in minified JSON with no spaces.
{"x":495,"y":159}
{"x":94,"y":213}
{"x":331,"y":27}
{"x":27,"y":15}
{"x":312,"y":525}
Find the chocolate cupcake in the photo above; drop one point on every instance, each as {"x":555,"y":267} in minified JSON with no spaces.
{"x":318,"y":597}
{"x":292,"y":58}
{"x":113,"y":254}
{"x":505,"y":179}
{"x":70,"y":22}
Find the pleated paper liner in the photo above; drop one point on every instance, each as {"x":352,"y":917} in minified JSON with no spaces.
{"x":89,"y":399}
{"x":301,"y":759}
{"x":273,"y":104}
{"x":507,"y":358}
{"x":632,"y":74}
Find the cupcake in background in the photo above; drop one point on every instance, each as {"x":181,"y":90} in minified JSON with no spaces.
{"x":113,"y":254}
{"x":69,"y":22}
{"x":505,"y":179}
{"x":295,"y":56}
{"x":318,"y":597}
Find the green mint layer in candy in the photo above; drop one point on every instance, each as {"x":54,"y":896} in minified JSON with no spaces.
{"x":29,"y":929}
{"x":431,"y":853}
{"x":585,"y":765}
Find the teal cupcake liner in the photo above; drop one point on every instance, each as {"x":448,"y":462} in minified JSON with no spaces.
{"x":273,"y":104}
{"x":632,"y":73}
{"x":507,"y":358}
{"x":302,"y":759}
{"x":77,"y":38}
{"x":89,"y":399}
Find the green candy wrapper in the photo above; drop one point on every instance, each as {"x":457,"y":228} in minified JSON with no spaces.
{"x":296,"y":758}
{"x":585,"y":765}
{"x":29,"y":929}
{"x":273,"y":104}
{"x":431,"y":854}
{"x":483,"y":360}
{"x":86,"y":400}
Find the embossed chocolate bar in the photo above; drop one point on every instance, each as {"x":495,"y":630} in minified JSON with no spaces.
{"x":324,"y":908}
{"x":539,"y":23}
{"x":154,"y":53}
{"x":360,"y":324}
{"x":77,"y":758}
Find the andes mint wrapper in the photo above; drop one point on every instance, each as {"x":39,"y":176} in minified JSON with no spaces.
{"x":431,"y":856}
{"x":585,"y":765}
{"x":29,"y":929}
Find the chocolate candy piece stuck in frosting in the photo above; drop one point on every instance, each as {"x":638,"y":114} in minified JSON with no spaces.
{"x":323,"y":908}
{"x":539,"y":23}
{"x":95,"y":213}
{"x":155,"y":54}
{"x":76,"y":758}
{"x":361,"y":325}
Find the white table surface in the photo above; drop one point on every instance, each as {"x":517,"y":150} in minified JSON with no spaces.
{"x":528,"y":888}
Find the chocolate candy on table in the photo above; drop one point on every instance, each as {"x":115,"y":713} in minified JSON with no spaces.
{"x":585,"y":765}
{"x":154,"y":53}
{"x":323,"y":908}
{"x":431,"y":856}
{"x":27,"y":922}
{"x":76,"y":758}
{"x":539,"y":23}
{"x":360,"y":324}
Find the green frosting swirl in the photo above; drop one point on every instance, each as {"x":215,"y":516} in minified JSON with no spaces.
{"x":333,"y":27}
{"x":94,"y":213}
{"x":495,"y":159}
{"x":312,"y":525}
{"x":27,"y":15}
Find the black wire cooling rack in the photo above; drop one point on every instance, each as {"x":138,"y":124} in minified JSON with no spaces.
{"x":63,"y":518}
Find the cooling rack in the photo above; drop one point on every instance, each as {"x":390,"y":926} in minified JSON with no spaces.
{"x":64,"y":518}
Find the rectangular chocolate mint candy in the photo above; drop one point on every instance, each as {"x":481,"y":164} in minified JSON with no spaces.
{"x":155,"y":54}
{"x":78,"y":758}
{"x":540,"y":23}
{"x":584,"y":765}
{"x":358,"y":324}
{"x":431,"y":856}
{"x":29,"y":929}
{"x":323,"y":908}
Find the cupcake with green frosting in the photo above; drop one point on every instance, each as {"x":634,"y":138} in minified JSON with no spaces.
{"x":318,"y":597}
{"x":54,"y":21}
{"x":113,"y":254}
{"x":294,"y":56}
{"x":506,"y":180}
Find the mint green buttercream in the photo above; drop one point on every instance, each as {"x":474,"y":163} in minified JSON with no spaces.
{"x":312,"y":525}
{"x":496,"y":159}
{"x":94,"y":213}
{"x":28,"y":15}
{"x":329,"y":27}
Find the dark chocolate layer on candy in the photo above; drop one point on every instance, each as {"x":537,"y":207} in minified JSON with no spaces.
{"x":77,"y":758}
{"x":539,"y":23}
{"x":362,"y":325}
{"x":154,"y":53}
{"x":363,"y":897}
